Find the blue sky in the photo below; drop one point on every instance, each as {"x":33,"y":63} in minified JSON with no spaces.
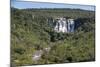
{"x":22,"y":5}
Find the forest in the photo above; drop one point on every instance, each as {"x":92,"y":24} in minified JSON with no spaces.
{"x":30,"y":32}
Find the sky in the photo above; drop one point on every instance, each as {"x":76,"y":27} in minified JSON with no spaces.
{"x":24,"y":4}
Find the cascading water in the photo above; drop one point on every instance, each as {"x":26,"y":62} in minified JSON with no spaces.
{"x":70,"y":25}
{"x":64,"y":25}
{"x":61,"y":25}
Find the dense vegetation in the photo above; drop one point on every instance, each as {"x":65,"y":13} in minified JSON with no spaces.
{"x":30,"y":32}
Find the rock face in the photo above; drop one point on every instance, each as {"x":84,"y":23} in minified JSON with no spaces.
{"x":37,"y":55}
{"x":64,"y":25}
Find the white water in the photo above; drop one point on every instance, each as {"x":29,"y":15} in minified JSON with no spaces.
{"x":64,"y":25}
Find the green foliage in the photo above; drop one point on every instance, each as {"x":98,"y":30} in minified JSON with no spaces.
{"x":30,"y":32}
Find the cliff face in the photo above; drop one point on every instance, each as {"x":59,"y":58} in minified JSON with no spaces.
{"x":64,"y":25}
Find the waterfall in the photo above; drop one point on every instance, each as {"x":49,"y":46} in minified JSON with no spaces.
{"x":70,"y":25}
{"x":64,"y":25}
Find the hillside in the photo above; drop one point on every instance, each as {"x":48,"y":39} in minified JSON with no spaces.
{"x":30,"y":33}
